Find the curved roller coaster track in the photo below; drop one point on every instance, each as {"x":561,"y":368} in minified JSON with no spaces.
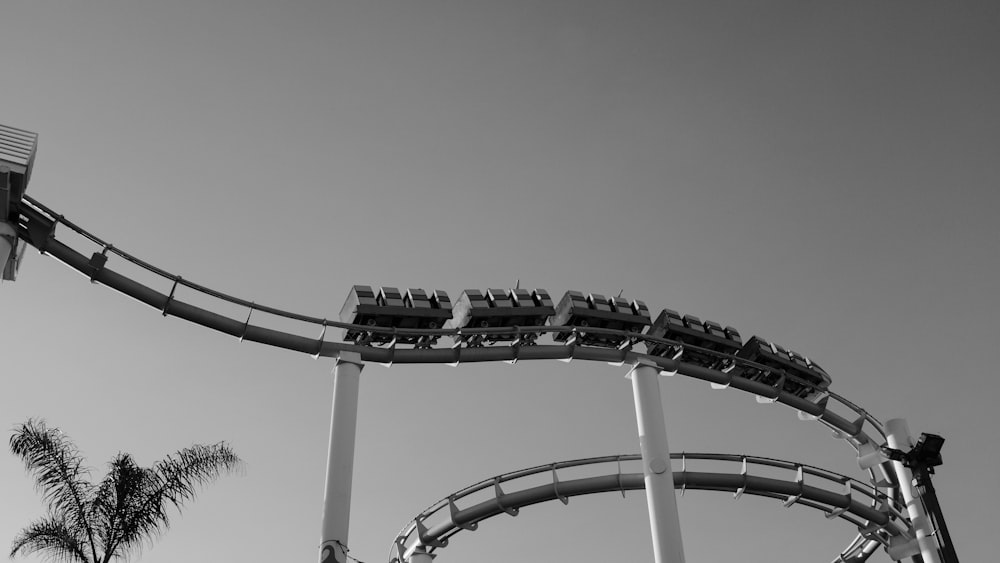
{"x":837,"y":496}
{"x":878,"y":520}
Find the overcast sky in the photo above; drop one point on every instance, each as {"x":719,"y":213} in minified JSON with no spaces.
{"x":823,"y":174}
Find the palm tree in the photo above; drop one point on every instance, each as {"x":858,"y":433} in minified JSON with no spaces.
{"x":95,"y":523}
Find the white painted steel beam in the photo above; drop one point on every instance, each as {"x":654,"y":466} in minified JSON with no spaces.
{"x":664,"y":521}
{"x":340,"y":463}
{"x":898,"y":438}
{"x":420,"y":555}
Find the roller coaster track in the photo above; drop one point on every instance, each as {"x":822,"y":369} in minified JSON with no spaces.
{"x":837,"y":496}
{"x":37,"y":224}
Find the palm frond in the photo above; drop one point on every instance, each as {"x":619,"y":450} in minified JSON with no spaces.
{"x":181,"y":474}
{"x":116,"y":499}
{"x":60,"y":475}
{"x":172,"y":481}
{"x":52,"y":536}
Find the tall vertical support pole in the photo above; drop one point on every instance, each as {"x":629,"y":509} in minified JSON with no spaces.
{"x":898,"y":438}
{"x":420,"y":555}
{"x":340,"y":463}
{"x":664,"y":521}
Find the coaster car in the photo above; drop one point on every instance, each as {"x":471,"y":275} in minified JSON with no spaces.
{"x":595,"y":310}
{"x":391,"y":309}
{"x":695,"y":336}
{"x":499,"y":308}
{"x":807,"y":380}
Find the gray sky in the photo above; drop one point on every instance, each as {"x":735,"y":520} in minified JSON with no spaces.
{"x":821,"y":174}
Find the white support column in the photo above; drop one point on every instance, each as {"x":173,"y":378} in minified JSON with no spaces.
{"x":420,"y":555}
{"x":898,"y":438}
{"x":340,"y":463}
{"x":664,"y":522}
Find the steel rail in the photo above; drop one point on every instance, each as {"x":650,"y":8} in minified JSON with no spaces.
{"x":877,"y":522}
{"x":37,"y":224}
{"x":37,"y":227}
